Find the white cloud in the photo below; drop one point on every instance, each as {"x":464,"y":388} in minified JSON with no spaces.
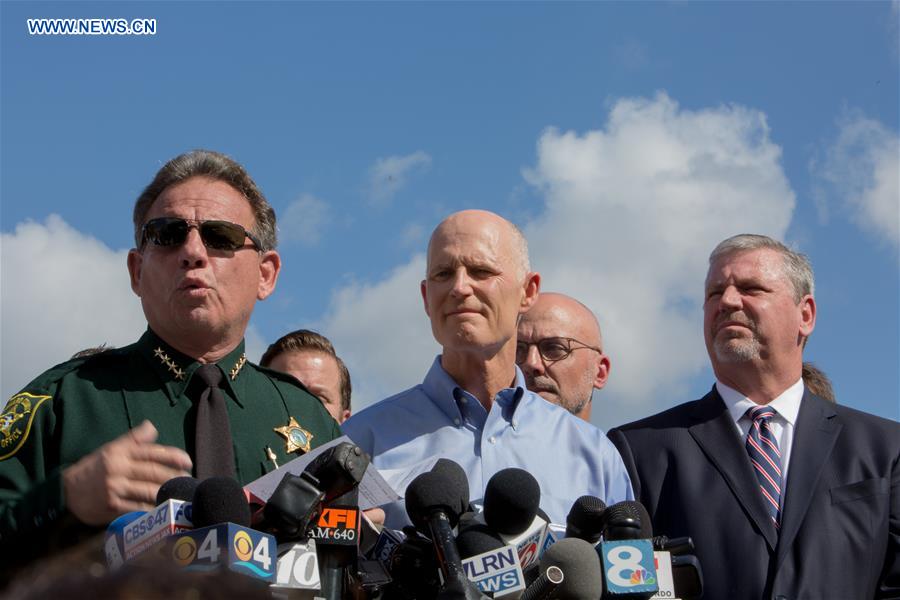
{"x":632,"y":212}
{"x":388,"y":175}
{"x":861,"y":173}
{"x":630,"y":215}
{"x":303,"y":220}
{"x":63,"y":291}
{"x":382,"y":333}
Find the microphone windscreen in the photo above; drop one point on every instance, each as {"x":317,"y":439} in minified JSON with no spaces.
{"x":220,"y":500}
{"x":454,"y":472}
{"x":511,"y":501}
{"x":446,"y":489}
{"x":179,"y":488}
{"x":581,"y":567}
{"x":443,"y":464}
{"x":477,"y":539}
{"x":627,"y":515}
{"x":585,"y":519}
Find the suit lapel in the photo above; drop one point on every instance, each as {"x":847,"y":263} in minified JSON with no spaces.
{"x":715,"y":432}
{"x":815,"y":433}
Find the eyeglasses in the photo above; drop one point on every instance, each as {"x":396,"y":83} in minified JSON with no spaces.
{"x":217,"y":235}
{"x":552,"y":349}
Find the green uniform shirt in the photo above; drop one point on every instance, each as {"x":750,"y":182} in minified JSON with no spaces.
{"x":77,"y":406}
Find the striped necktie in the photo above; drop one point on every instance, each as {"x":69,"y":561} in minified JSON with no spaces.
{"x":766,"y":459}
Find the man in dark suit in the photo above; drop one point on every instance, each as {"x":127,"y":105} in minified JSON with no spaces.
{"x":785,"y":495}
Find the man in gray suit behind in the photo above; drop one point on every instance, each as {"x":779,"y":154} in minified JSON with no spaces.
{"x":786,"y":495}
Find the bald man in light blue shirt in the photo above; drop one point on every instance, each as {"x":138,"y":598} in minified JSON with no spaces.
{"x":473,"y":406}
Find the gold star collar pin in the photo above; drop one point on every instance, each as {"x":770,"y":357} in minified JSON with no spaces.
{"x":170,"y":364}
{"x":296,"y":438}
{"x":237,"y":367}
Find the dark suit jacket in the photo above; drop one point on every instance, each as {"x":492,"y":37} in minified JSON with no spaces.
{"x":840,"y":529}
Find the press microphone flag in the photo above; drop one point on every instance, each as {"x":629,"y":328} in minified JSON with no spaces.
{"x":663,"y":562}
{"x":169,"y":517}
{"x":626,"y":554}
{"x":496,"y":571}
{"x":298,"y":567}
{"x":226,"y":545}
{"x":114,"y":543}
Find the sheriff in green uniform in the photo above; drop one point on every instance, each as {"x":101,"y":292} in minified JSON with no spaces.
{"x":95,"y":437}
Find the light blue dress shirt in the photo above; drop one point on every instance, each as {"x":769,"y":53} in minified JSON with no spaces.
{"x":405,"y":434}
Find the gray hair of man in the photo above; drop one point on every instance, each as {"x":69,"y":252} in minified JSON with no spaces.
{"x":797,"y":267}
{"x":217,"y":166}
{"x":521,"y":245}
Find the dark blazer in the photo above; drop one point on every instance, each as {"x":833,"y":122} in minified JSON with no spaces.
{"x":840,"y":528}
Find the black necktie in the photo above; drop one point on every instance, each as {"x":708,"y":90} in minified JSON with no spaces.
{"x":215,"y":456}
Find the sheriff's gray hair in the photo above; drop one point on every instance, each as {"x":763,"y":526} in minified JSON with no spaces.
{"x":214,"y":165}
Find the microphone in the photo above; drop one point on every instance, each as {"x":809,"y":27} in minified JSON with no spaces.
{"x":477,"y":538}
{"x":413,"y":567}
{"x":222,"y":537}
{"x":387,"y":542}
{"x":339,"y":470}
{"x":220,"y":500}
{"x":580,"y":564}
{"x":679,"y":545}
{"x":511,"y":501}
{"x":544,"y":586}
{"x":292,"y":506}
{"x":298,"y":499}
{"x":434,"y":501}
{"x":627,"y":520}
{"x":298,"y":567}
{"x":687,"y":577}
{"x":629,"y":568}
{"x":511,"y":509}
{"x":336,"y":535}
{"x":114,"y":544}
{"x":585,"y":519}
{"x":142,"y":530}
{"x":171,"y":516}
{"x":489,"y":563}
{"x":178,"y":488}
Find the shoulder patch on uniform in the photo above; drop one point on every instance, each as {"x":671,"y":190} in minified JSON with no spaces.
{"x":15,"y":422}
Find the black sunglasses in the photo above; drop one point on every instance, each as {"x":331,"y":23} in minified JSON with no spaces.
{"x":217,"y":235}
{"x":552,"y":349}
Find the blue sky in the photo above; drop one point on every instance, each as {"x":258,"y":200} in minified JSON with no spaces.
{"x":626,"y":139}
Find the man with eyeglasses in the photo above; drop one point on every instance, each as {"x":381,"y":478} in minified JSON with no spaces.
{"x":559,"y":350}
{"x":474,"y":407}
{"x":94,"y":437}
